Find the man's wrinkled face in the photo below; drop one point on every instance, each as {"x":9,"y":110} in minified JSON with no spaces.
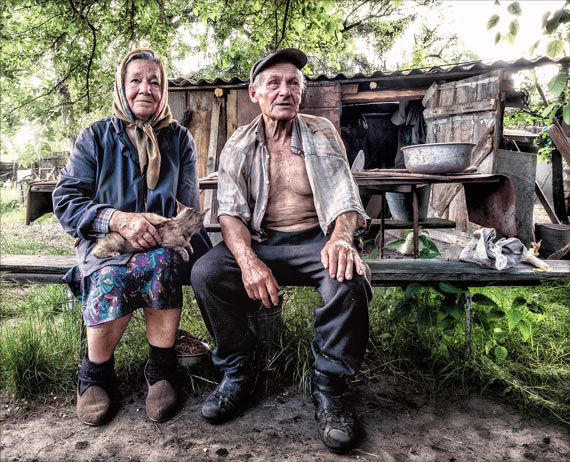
{"x":278,"y":92}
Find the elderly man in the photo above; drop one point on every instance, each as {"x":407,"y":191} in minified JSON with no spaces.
{"x":289,"y":210}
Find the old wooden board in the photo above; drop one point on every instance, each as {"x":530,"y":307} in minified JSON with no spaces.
{"x":177,"y":103}
{"x":463,"y":111}
{"x":394,"y":272}
{"x":323,"y":100}
{"x":200,"y":103}
{"x":50,"y":268}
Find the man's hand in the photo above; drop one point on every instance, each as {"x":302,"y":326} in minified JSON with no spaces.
{"x":258,"y":281}
{"x":137,"y":228}
{"x":338,"y":255}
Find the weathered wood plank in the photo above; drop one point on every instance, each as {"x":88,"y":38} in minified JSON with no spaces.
{"x":544,"y":201}
{"x":390,"y":272}
{"x":464,"y":108}
{"x":177,"y":103}
{"x":560,"y":141}
{"x":49,"y":268}
{"x":200,"y":103}
{"x":382,"y":96}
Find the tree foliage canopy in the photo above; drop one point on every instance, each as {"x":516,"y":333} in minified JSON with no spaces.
{"x":58,"y":58}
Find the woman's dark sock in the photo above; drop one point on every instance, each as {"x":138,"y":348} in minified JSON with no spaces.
{"x":100,"y":374}
{"x":161,"y":364}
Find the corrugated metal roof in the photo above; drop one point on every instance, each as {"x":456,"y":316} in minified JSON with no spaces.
{"x":405,"y":77}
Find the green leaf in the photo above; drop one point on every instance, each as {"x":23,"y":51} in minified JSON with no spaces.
{"x":497,"y":37}
{"x":483,"y":300}
{"x":424,"y":319}
{"x":493,"y":21}
{"x":554,"y":48}
{"x":566,"y":113}
{"x":513,"y":318}
{"x":545,"y":16}
{"x":397,"y":242}
{"x":535,"y":307}
{"x":533,"y":47}
{"x":500,"y":353}
{"x":514,"y":27}
{"x":428,"y":243}
{"x":524,"y":328}
{"x":558,"y":83}
{"x":499,"y":334}
{"x":509,"y":38}
{"x":515,"y":8}
{"x":412,"y":290}
{"x":518,"y":302}
{"x":550,"y":108}
{"x":401,"y":310}
{"x":454,"y":311}
{"x":449,"y":288}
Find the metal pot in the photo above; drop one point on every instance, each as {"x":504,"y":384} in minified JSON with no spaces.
{"x":438,"y":157}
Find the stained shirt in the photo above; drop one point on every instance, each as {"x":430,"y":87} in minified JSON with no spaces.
{"x":243,"y":174}
{"x":103,"y":174}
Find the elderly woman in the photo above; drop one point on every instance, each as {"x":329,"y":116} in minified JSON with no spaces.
{"x":137,"y":160}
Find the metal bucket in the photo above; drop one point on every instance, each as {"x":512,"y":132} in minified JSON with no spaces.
{"x":400,"y":204}
{"x":553,"y":237}
{"x":266,"y":324}
{"x":437,"y":157}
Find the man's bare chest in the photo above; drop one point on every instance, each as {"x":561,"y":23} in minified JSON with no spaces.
{"x":288,"y":174}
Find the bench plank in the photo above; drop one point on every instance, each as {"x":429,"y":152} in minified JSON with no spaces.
{"x":389,"y":272}
{"x":386,"y":272}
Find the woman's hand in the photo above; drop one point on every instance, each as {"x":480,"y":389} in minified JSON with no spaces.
{"x":136,"y":228}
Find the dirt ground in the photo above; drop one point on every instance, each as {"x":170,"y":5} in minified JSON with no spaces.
{"x":399,"y":424}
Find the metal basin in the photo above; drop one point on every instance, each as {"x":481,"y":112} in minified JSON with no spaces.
{"x":438,"y":157}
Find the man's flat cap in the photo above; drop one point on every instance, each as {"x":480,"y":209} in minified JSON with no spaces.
{"x":289,"y":55}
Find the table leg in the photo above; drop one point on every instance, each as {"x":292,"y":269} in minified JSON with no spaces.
{"x":382,"y":222}
{"x":416,"y":216}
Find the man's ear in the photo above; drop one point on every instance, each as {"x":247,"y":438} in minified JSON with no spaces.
{"x":253,"y":94}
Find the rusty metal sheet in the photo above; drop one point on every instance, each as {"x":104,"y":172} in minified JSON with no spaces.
{"x":493,"y":204}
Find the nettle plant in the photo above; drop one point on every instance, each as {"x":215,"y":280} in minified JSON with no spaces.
{"x":438,"y":313}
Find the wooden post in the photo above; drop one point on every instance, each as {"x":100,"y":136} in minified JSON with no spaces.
{"x":210,"y":199}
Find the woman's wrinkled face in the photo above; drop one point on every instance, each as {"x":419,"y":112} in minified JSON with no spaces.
{"x":142,"y":88}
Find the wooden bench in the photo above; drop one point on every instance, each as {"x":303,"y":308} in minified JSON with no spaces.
{"x":49,"y":269}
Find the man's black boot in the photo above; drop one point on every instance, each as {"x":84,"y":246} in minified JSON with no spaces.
{"x":337,"y":427}
{"x":232,"y":393}
{"x":229,"y":397}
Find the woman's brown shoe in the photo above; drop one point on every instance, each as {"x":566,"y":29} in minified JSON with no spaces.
{"x":160,"y":400}
{"x":94,"y":406}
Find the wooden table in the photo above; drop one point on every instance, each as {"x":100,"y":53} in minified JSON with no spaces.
{"x":490,"y":197}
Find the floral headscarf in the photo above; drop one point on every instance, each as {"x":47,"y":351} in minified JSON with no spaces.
{"x":146,"y":142}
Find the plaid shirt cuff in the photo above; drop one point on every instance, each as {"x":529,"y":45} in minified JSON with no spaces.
{"x":101,"y":222}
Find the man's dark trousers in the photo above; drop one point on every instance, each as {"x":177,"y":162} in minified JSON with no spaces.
{"x":341,"y":324}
